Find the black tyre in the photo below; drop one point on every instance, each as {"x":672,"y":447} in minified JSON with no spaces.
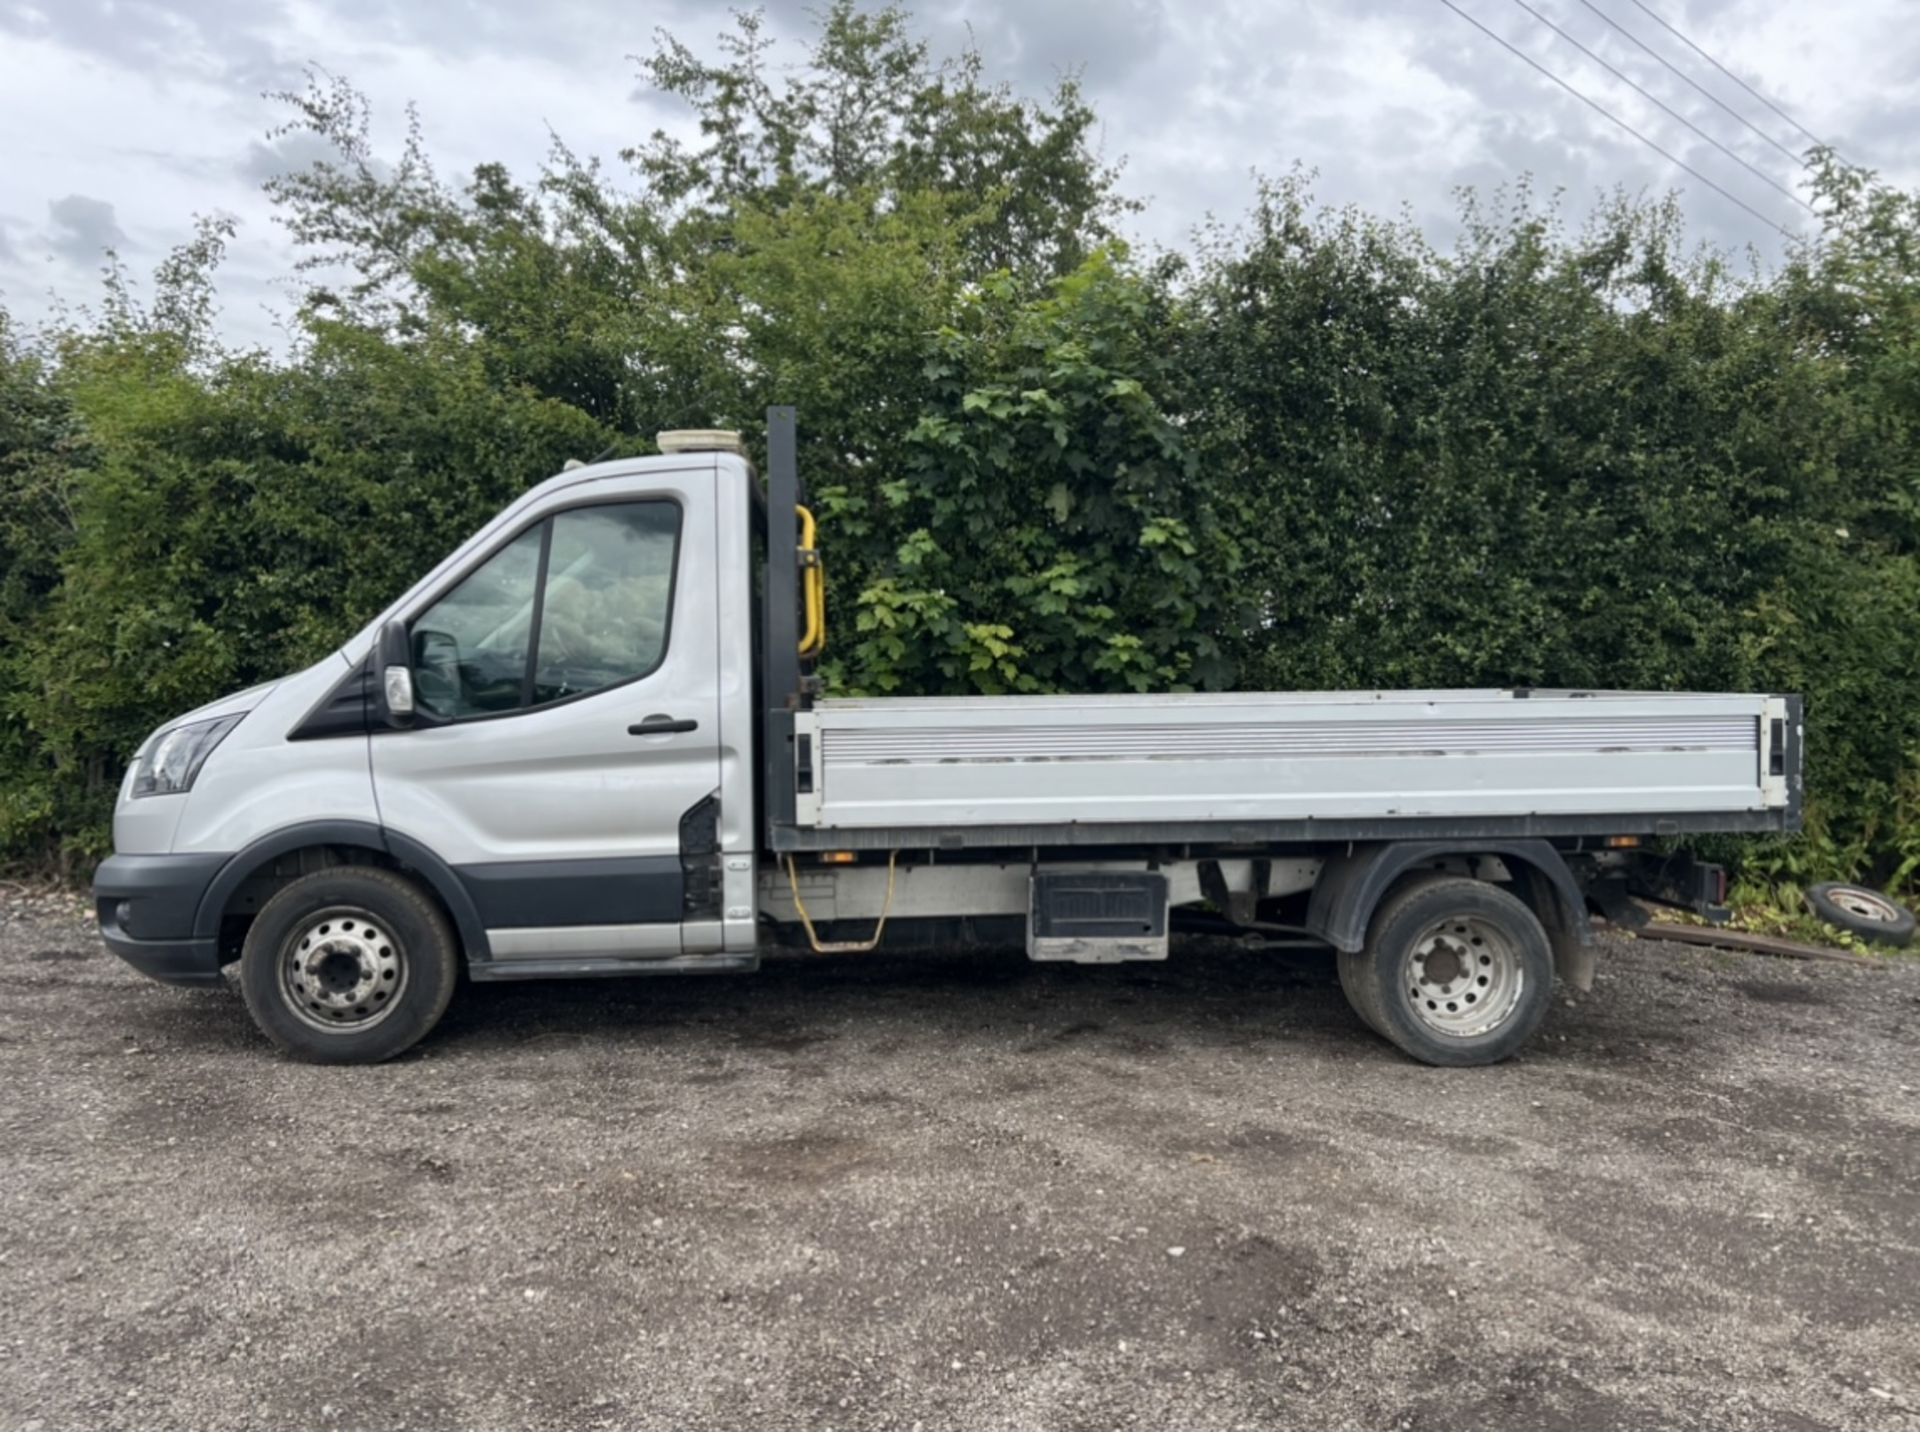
{"x":1863,"y":912}
{"x":1357,"y":986}
{"x":1355,"y":965}
{"x":1455,"y":972}
{"x":349,"y":966}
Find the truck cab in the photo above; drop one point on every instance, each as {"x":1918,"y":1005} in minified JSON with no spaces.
{"x":591,"y":742}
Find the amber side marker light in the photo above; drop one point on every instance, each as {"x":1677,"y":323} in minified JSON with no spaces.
{"x":1622,"y":842}
{"x":836,"y":857}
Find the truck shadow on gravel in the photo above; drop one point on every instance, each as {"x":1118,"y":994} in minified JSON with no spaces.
{"x":1210,"y":996}
{"x":796,"y":1002}
{"x":1207,"y":997}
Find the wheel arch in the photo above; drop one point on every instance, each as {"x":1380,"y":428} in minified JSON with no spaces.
{"x":1351,"y":887}
{"x":386,"y":847}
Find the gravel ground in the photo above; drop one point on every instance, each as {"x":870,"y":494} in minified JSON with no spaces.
{"x":962,"y":1191}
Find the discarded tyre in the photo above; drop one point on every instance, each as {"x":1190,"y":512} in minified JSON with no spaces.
{"x":1863,"y":912}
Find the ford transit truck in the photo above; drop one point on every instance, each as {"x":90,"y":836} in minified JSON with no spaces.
{"x":593,"y":742}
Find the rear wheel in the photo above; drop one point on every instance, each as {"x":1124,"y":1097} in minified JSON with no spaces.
{"x":348,"y":966}
{"x":1455,"y":972}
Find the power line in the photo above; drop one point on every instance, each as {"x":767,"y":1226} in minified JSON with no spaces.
{"x":1645,"y":94}
{"x":1677,"y":162}
{"x":1735,"y":78}
{"x":1797,"y":159}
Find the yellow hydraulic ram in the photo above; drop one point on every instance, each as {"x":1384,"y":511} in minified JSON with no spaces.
{"x":813,"y":583}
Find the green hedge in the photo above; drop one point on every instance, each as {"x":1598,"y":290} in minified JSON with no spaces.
{"x":1315,"y":453}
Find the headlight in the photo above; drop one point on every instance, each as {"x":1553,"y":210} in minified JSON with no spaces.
{"x":169,"y":765}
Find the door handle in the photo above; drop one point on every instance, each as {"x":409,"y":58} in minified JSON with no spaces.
{"x":662,"y":726}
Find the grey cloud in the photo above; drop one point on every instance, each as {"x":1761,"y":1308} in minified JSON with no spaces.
{"x":287,"y":154}
{"x":1393,"y":102}
{"x":249,"y":44}
{"x":1033,"y":43}
{"x":587,"y":31}
{"x":230,"y":38}
{"x":1528,"y":123}
{"x":1879,"y":132}
{"x":84,"y":228}
{"x":1884,"y":133}
{"x":1248,"y":86}
{"x":1672,"y":96}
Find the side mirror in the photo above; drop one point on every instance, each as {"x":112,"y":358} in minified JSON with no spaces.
{"x":393,"y":671}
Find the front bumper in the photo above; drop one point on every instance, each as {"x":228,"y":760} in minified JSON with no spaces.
{"x":147,"y":906}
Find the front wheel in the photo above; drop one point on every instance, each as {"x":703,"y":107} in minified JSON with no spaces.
{"x":1455,"y":972}
{"x":348,"y":966}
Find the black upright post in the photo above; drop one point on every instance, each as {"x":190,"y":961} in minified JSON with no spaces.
{"x":781,"y":632}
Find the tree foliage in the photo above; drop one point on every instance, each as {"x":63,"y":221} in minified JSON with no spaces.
{"x":1049,"y":528}
{"x":869,"y":112}
{"x":1317,"y":453}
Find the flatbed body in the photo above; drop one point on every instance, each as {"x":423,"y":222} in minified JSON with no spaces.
{"x":1296,"y":765}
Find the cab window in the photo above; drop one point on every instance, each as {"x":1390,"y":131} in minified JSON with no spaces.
{"x":582,"y":602}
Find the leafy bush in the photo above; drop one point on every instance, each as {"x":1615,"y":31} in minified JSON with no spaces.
{"x":1317,"y":453}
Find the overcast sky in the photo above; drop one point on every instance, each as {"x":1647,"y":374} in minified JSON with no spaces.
{"x":122,"y":119}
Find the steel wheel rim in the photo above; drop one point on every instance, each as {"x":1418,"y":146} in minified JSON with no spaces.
{"x":342,"y":971}
{"x":1864,"y":904}
{"x":1463,"y":976}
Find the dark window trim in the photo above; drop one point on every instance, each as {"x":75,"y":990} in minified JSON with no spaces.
{"x":540,"y":568}
{"x":434,"y":719}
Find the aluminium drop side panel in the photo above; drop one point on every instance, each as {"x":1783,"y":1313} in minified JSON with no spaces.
{"x":1531,"y":761}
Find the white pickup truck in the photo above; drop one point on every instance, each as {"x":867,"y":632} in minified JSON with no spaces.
{"x":590,"y":742}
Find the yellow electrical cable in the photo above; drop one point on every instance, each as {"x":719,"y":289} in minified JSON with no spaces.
{"x":842,"y":947}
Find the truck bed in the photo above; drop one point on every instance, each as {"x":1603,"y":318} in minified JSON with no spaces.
{"x":1339,"y":765}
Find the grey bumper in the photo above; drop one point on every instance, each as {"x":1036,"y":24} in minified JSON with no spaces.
{"x":147,"y":906}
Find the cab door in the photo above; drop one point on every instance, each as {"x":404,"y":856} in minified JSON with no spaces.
{"x":567,"y":723}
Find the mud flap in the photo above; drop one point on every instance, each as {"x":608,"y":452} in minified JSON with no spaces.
{"x":1572,"y":959}
{"x":1097,"y":917}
